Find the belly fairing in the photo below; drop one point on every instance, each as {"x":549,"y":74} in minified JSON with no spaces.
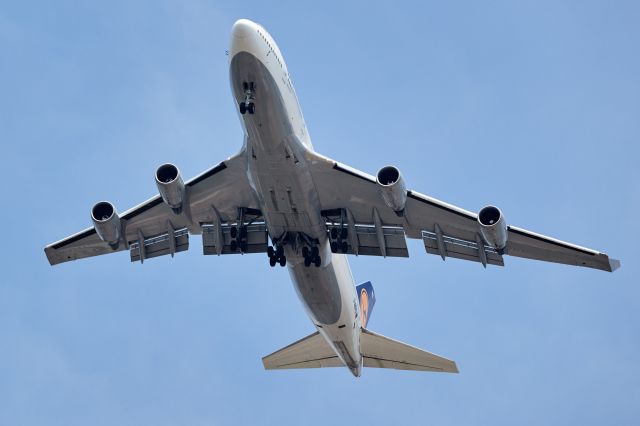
{"x":276,"y":147}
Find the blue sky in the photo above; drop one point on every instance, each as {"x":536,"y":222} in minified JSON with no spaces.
{"x":532,"y":106}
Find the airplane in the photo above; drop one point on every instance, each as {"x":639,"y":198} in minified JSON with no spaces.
{"x":308,"y":212}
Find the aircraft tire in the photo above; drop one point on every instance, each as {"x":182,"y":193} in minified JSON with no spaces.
{"x":334,"y":233}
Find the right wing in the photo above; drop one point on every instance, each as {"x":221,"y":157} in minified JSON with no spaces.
{"x":212,"y":197}
{"x":353,"y":197}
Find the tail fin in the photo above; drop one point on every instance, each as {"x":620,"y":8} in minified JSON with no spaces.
{"x":367,"y":299}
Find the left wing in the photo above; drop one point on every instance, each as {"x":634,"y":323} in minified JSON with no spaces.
{"x":212,"y":197}
{"x":353,"y":199}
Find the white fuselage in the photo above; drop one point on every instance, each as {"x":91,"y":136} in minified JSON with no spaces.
{"x":278,"y":147}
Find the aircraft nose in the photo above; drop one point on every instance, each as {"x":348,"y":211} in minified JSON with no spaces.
{"x":243,"y":28}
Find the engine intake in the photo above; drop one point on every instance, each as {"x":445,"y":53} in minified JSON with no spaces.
{"x":393,"y":189}
{"x":171,"y":186}
{"x":107,"y":223}
{"x":493,"y":227}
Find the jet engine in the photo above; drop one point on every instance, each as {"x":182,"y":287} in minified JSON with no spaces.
{"x":171,"y":186}
{"x":394,"y":191}
{"x":106,"y":222}
{"x":493,"y":227}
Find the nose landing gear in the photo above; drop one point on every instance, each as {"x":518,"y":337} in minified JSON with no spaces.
{"x":247,"y":105}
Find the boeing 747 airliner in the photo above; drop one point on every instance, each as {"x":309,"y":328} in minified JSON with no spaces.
{"x":308,"y":212}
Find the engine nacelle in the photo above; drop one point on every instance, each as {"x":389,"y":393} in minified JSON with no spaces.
{"x":493,"y":227}
{"x":394,"y":191}
{"x":107,"y":223}
{"x":171,"y":186}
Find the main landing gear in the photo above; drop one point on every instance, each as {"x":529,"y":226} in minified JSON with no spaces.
{"x":239,"y":233}
{"x":300,"y":244}
{"x":339,"y":239}
{"x":247,"y":105}
{"x":239,"y":239}
{"x":276,"y":256}
{"x":311,"y":256}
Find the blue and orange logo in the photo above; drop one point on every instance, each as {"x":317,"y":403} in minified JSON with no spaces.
{"x":367,"y":299}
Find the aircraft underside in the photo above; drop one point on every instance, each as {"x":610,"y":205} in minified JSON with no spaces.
{"x":279,"y":197}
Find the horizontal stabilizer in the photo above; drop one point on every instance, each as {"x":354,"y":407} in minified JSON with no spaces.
{"x":382,"y":352}
{"x":309,"y":352}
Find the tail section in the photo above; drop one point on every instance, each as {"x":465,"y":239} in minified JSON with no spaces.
{"x":367,"y":299}
{"x":377,"y":351}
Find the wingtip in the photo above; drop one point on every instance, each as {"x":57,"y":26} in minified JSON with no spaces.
{"x":48,"y":253}
{"x":614,"y":264}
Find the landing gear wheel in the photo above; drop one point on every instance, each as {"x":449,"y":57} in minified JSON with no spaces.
{"x":244,"y":246}
{"x":334,"y":233}
{"x":314,"y":251}
{"x":334,"y":246}
{"x":279,"y":251}
{"x":307,"y":261}
{"x":344,"y":233}
{"x":251,"y":108}
{"x":344,"y":247}
{"x":272,"y":261}
{"x":283,"y":260}
{"x":243,"y":232}
{"x":271,"y":252}
{"x":243,"y":108}
{"x":316,"y":261}
{"x":233,"y":231}
{"x":305,"y":252}
{"x":233,"y":245}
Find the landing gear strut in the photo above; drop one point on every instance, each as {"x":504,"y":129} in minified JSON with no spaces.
{"x":247,"y":105}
